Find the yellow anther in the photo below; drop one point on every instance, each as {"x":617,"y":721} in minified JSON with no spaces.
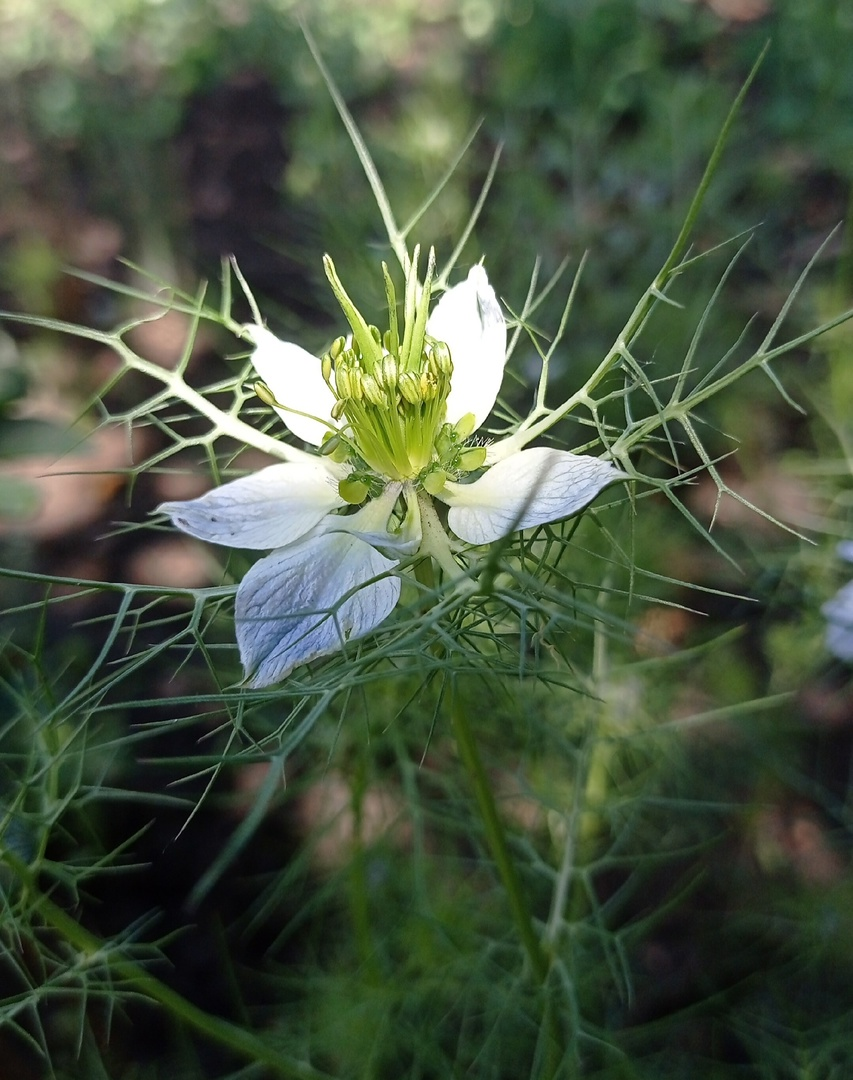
{"x":389,"y":370}
{"x":409,"y":386}
{"x":441,"y":356}
{"x":264,"y":393}
{"x":372,"y":390}
{"x":343,"y":382}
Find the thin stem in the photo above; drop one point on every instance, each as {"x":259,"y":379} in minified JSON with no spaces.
{"x":472,"y":220}
{"x":496,"y":839}
{"x":590,"y":787}
{"x":655,"y":293}
{"x":358,"y":890}
{"x":396,"y":238}
{"x":565,"y":876}
{"x":215,"y":1028}
{"x":224,"y":423}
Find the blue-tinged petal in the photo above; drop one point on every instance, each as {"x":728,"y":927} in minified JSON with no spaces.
{"x":839,"y":623}
{"x":532,"y":487}
{"x":295,"y":378}
{"x":308,"y":600}
{"x":469,"y":320}
{"x":371,"y":523}
{"x":268,"y":509}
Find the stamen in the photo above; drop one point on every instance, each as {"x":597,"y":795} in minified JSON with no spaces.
{"x":393,"y":391}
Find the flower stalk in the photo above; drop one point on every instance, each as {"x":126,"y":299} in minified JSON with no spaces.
{"x":537,"y":957}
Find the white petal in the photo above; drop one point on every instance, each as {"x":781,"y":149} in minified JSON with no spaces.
{"x":290,"y":608}
{"x":296,"y":380}
{"x":469,"y":320}
{"x":370,"y":523}
{"x":839,"y":616}
{"x":268,"y":509}
{"x":530,"y":488}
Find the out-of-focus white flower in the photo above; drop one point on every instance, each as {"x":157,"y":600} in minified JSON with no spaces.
{"x":839,"y":614}
{"x":391,"y":416}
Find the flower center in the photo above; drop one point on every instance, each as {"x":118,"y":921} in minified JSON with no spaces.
{"x":390,"y":387}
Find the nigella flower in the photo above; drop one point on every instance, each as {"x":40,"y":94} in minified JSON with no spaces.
{"x":839,"y":614}
{"x":391,"y":416}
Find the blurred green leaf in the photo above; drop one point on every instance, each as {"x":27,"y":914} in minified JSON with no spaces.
{"x":12,"y":385}
{"x":18,"y":499}
{"x":26,"y":437}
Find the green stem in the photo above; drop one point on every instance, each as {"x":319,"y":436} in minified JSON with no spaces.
{"x":359,"y":897}
{"x":215,"y":1028}
{"x":539,"y":960}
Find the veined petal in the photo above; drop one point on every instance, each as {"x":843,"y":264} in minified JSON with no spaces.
{"x":533,"y":487}
{"x":469,"y":320}
{"x":268,"y":509}
{"x":296,"y":380}
{"x":371,"y":523}
{"x":405,"y":542}
{"x":292,"y":606}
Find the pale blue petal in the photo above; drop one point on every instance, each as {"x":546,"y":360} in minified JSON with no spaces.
{"x":839,"y":623}
{"x":293,"y":605}
{"x":371,"y":523}
{"x":532,"y":487}
{"x":268,"y":509}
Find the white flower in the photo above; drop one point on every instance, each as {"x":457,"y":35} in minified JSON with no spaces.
{"x":391,"y":416}
{"x":839,"y":614}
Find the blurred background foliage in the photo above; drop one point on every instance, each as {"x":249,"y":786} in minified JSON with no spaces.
{"x":713,"y":915}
